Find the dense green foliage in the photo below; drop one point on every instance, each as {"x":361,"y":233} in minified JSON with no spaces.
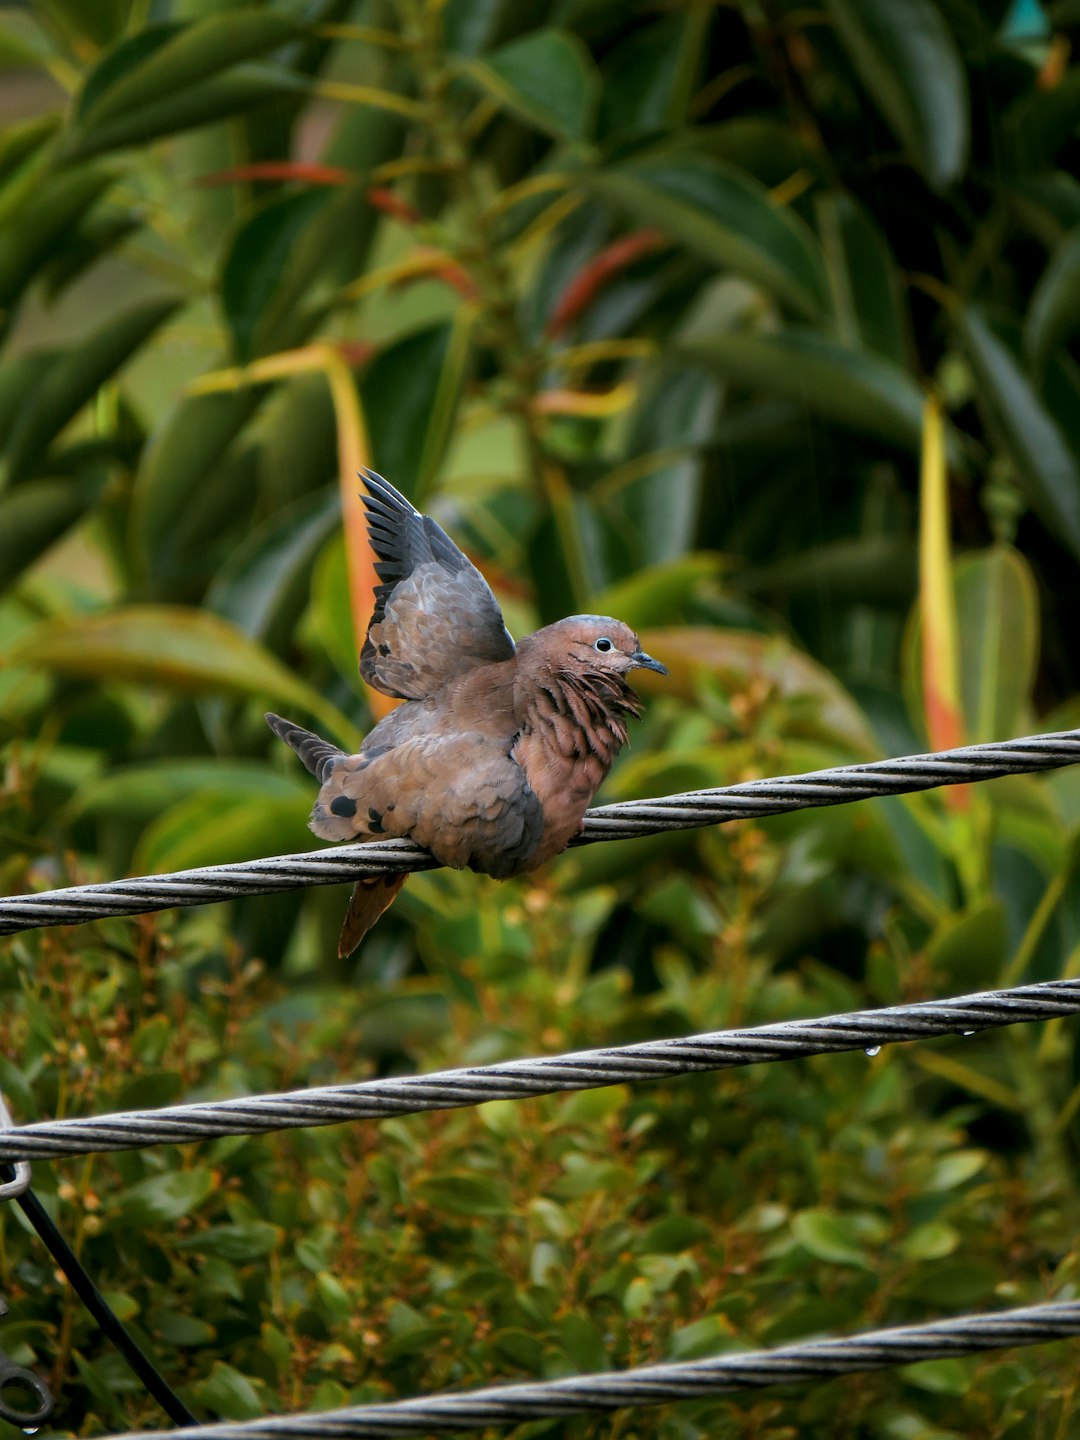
{"x":644,"y":302}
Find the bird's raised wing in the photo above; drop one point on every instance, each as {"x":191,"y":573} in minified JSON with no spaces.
{"x":434,"y":615}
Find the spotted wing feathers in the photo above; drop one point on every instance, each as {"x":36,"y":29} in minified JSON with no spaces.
{"x":434,"y":614}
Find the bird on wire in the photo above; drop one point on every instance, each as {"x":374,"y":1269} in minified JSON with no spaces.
{"x":492,"y":761}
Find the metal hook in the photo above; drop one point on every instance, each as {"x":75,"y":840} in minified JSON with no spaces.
{"x":11,"y":1189}
{"x":15,"y":1380}
{"x":20,"y":1380}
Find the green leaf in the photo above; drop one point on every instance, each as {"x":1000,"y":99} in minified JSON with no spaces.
{"x":330,"y":612}
{"x":905,"y":56}
{"x":178,"y":504}
{"x":265,"y":584}
{"x":1039,"y":124}
{"x":139,"y":792}
{"x":852,"y":388}
{"x":829,"y":1236}
{"x":36,"y":515}
{"x":228,"y":1393}
{"x":184,"y":1330}
{"x":931,"y":1241}
{"x":165,"y":645}
{"x":998,"y":629}
{"x":182,"y":60}
{"x":547,"y":78}
{"x":708,"y":1336}
{"x":867,"y":295}
{"x":55,"y":206}
{"x":1046,"y":469}
{"x":649,"y":75}
{"x":120,"y":60}
{"x":940,"y":1377}
{"x":410,"y":393}
{"x":1053,"y":313}
{"x":74,"y":378}
{"x":969,"y":946}
{"x":164,"y":1199}
{"x":244,"y":1240}
{"x":956,"y":1169}
{"x":728,"y":218}
{"x":465,"y":1194}
{"x":258,"y":259}
{"x":238,"y":89}
{"x":211,"y":829}
{"x":653,"y":595}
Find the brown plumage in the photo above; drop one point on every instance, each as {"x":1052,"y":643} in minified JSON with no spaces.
{"x":492,"y":761}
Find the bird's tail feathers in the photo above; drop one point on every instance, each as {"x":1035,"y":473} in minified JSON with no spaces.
{"x":370,"y":897}
{"x":318,"y":755}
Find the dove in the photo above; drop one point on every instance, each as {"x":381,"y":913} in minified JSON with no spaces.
{"x":491,"y":761}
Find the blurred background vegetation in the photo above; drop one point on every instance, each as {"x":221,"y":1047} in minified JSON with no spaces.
{"x":750,"y":322}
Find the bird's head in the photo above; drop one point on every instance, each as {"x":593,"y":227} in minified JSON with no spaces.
{"x":591,"y":643}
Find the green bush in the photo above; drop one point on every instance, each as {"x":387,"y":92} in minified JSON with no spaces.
{"x":646,"y":305}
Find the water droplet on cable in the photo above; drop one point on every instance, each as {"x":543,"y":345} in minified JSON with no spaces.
{"x":873,"y":1050}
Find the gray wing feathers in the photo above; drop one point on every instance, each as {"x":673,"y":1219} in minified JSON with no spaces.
{"x":318,"y":755}
{"x":434,"y":613}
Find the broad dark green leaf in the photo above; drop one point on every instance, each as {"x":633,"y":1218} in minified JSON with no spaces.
{"x":726,"y":217}
{"x":210,"y":828}
{"x":465,"y":1194}
{"x":873,"y":569}
{"x":410,"y":393}
{"x":18,"y":142}
{"x":761,"y":146}
{"x":99,"y":23}
{"x":648,"y":78}
{"x":164,"y":1199}
{"x":1053,"y":313}
{"x":907,"y":59}
{"x":74,"y":378}
{"x":266,"y":584}
{"x":855,"y":389}
{"x":258,"y":259}
{"x":235,"y":90}
{"x":1046,"y":469}
{"x":1037,"y":126}
{"x":56,"y":204}
{"x":830,"y":1236}
{"x":548,"y":78}
{"x":37,"y":514}
{"x":183,"y":60}
{"x":181,"y":463}
{"x":229,"y":1393}
{"x":867,"y":296}
{"x":997,"y":614}
{"x":121,"y":60}
{"x":20,"y":379}
{"x":139,"y":792}
{"x":166,"y":645}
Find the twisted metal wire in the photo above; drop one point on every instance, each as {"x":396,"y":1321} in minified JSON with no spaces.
{"x":517,"y":1079}
{"x":837,"y":786}
{"x":661,"y":1384}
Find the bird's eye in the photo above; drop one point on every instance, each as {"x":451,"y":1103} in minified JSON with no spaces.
{"x":604,"y":645}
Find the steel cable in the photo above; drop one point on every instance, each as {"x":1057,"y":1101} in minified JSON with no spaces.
{"x":753,"y":798}
{"x":661,"y":1384}
{"x":518,"y":1079}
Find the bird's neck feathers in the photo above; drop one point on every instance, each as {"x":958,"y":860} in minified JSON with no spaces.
{"x":584,"y":710}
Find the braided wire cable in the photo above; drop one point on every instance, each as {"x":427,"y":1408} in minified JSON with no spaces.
{"x":753,"y":798}
{"x":661,"y":1384}
{"x":518,"y":1079}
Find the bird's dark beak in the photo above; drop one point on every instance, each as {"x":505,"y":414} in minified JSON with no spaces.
{"x":646,"y":662}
